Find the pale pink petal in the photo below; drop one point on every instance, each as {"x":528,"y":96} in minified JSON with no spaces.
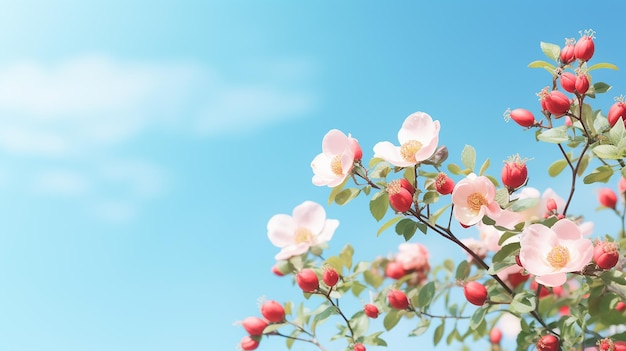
{"x":322,"y":173}
{"x":390,"y":153}
{"x":581,"y":253}
{"x":310,"y":215}
{"x":335,"y":143}
{"x":566,"y":230}
{"x":417,"y":126}
{"x":586,"y":228}
{"x":281,"y":230}
{"x":292,"y":250}
{"x":327,"y":232}
{"x":534,"y":261}
{"x":508,"y":219}
{"x":467,"y":216}
{"x":347,"y":161}
{"x":428,"y":149}
{"x":552,"y":280}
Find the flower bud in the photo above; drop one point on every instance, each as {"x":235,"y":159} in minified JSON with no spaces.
{"x":249,"y":343}
{"x":582,"y":84}
{"x":568,"y":81}
{"x":356,"y":149}
{"x":548,"y":343}
{"x":556,"y":103}
{"x":371,"y":310}
{"x":620,"y":306}
{"x":358,"y":347}
{"x":254,"y":325}
{"x":407,"y":185}
{"x":273,"y":311}
{"x":397,"y":299}
{"x":400,"y":198}
{"x":551,"y":205}
{"x":514,"y":172}
{"x":607,"y":198}
{"x":307,"y":280}
{"x":584,"y":48}
{"x":444,"y":184}
{"x":495,"y":335}
{"x":616,"y":111}
{"x":567,"y":52}
{"x":330,"y":276}
{"x":606,"y":254}
{"x":475,"y":293}
{"x":522,"y":117}
{"x":394,"y":270}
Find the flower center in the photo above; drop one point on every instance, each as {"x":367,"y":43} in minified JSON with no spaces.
{"x":303,"y":235}
{"x":558,"y":256}
{"x":408,"y":150}
{"x":475,"y":201}
{"x":336,"y":166}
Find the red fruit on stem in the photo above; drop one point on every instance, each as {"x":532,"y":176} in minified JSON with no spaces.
{"x":607,"y":198}
{"x":620,"y":307}
{"x":273,"y":311}
{"x":567,"y":52}
{"x":249,"y":343}
{"x":356,"y":149}
{"x":400,"y":198}
{"x":358,"y":347}
{"x":582,"y":84}
{"x":522,"y":117}
{"x":568,"y":81}
{"x":616,"y":111}
{"x":330,"y":276}
{"x":548,"y":343}
{"x":584,"y":48}
{"x":495,"y":335}
{"x":551,"y":205}
{"x":556,"y":103}
{"x":606,"y":254}
{"x":444,"y":184}
{"x":276,"y":270}
{"x":371,"y":310}
{"x":475,"y":293}
{"x":514,"y":172}
{"x":619,"y":346}
{"x":254,"y":325}
{"x":397,"y":299}
{"x":394,"y":270}
{"x":307,"y":280}
{"x":407,"y":185}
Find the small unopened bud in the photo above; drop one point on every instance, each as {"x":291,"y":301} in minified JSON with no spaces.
{"x":356,"y":149}
{"x":567,"y":52}
{"x":548,"y":343}
{"x":273,"y":311}
{"x":582,"y":84}
{"x":620,"y":306}
{"x":475,"y":293}
{"x":522,"y":117}
{"x":495,"y":335}
{"x":568,"y":81}
{"x":330,"y":276}
{"x":444,"y":184}
{"x":551,"y":205}
{"x":249,"y":343}
{"x":617,"y":111}
{"x":607,"y":198}
{"x":371,"y":310}
{"x":584,"y":48}
{"x":254,"y":325}
{"x":397,"y":299}
{"x":514,"y":172}
{"x":358,"y":347}
{"x":556,"y":103}
{"x":606,"y":254}
{"x":307,"y":280}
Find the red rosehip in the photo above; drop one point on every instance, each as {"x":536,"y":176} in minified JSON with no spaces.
{"x":444,"y":184}
{"x":616,"y":111}
{"x":584,"y":48}
{"x":620,"y":307}
{"x":522,"y":117}
{"x":619,"y":346}
{"x":273,"y":311}
{"x":407,"y":185}
{"x":495,"y":335}
{"x":582,"y":83}
{"x":394,"y":270}
{"x":371,"y":310}
{"x":551,"y":205}
{"x":515,"y":279}
{"x":607,"y":197}
{"x":556,"y":103}
{"x":606,"y":254}
{"x":514,"y":172}
{"x":397,"y":299}
{"x":567,"y":52}
{"x":307,"y":280}
{"x":475,"y":293}
{"x":568,"y":81}
{"x":276,"y":270}
{"x":607,"y":344}
{"x":400,"y":198}
{"x":548,"y":343}
{"x":358,"y":347}
{"x":330,"y":276}
{"x":249,"y":343}
{"x":254,"y":325}
{"x":356,"y":149}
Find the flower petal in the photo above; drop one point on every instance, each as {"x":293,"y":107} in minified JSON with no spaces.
{"x":327,"y":232}
{"x":418,"y":126}
{"x":390,"y":153}
{"x":310,"y":215}
{"x":335,"y":143}
{"x":567,"y":230}
{"x":552,"y":280}
{"x":280,"y":230}
{"x":292,"y":250}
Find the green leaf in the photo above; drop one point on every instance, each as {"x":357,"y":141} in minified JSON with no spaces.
{"x":380,"y":171}
{"x":336,"y":190}
{"x":602,"y":65}
{"x":454,"y":169}
{"x":346,"y":256}
{"x":406,"y":227}
{"x":462,"y":270}
{"x":555,"y":135}
{"x":391,"y":319}
{"x":372,"y":279}
{"x":606,"y":151}
{"x":484,"y":167}
{"x":359,"y":323}
{"x":430,"y":197}
{"x":346,"y":195}
{"x":323,"y":316}
{"x":557,"y":167}
{"x":552,"y":51}
{"x":421,"y":328}
{"x":582,"y":166}
{"x":600,"y":174}
{"x":478,"y":316}
{"x":502,"y":197}
{"x":334,"y":262}
{"x":524,"y":204}
{"x":524,"y":302}
{"x":388,"y":224}
{"x":616,"y":134}
{"x":506,"y":251}
{"x":468,"y":157}
{"x":426,"y":295}
{"x":439,"y":332}
{"x":542,"y":64}
{"x":379,"y":205}
{"x":601,"y":87}
{"x":435,"y":216}
{"x":273,"y":327}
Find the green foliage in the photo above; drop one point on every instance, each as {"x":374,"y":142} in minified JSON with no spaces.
{"x":406,"y":227}
{"x":468,"y":157}
{"x":379,"y":205}
{"x":552,"y":51}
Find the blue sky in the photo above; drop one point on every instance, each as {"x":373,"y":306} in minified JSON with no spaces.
{"x":145,"y":145}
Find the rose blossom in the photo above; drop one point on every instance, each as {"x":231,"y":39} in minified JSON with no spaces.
{"x":413,"y":256}
{"x":418,"y":139}
{"x":306,"y":227}
{"x":334,"y":164}
{"x":474,"y":197}
{"x":549,"y":253}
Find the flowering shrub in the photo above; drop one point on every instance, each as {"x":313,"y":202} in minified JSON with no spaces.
{"x":535,"y":268}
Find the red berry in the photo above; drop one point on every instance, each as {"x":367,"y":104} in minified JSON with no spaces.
{"x":276,"y":270}
{"x":358,"y":347}
{"x":582,"y":83}
{"x":475,"y":293}
{"x":607,"y":197}
{"x":556,"y":103}
{"x":522,"y":117}
{"x":330,"y":276}
{"x":394,"y":270}
{"x":444,"y":184}
{"x":620,"y":307}
{"x":407,"y":185}
{"x":398,"y":299}
{"x":616,"y":111}
{"x":548,"y":343}
{"x":514,"y":173}
{"x":495,"y":335}
{"x":515,"y":279}
{"x":619,"y":346}
{"x":400,"y":198}
{"x":249,"y":343}
{"x":606,"y":254}
{"x":584,"y":48}
{"x":371,"y":310}
{"x":254,"y":325}
{"x":273,"y":311}
{"x":356,"y":149}
{"x":567,"y":52}
{"x":307,"y":280}
{"x":568,"y":82}
{"x":551,"y":205}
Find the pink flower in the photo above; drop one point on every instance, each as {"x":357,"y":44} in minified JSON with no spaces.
{"x":549,"y":253}
{"x":413,"y":256}
{"x":474,"y":197}
{"x":334,"y":164}
{"x":295,"y":234}
{"x":418,"y":139}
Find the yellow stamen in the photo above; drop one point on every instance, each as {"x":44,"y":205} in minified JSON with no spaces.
{"x":475,"y":201}
{"x":303,"y":235}
{"x":558,"y":257}
{"x":336,"y":166}
{"x":408,"y":150}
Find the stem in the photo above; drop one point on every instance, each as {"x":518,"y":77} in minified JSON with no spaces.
{"x":312,"y":341}
{"x":574,"y":170}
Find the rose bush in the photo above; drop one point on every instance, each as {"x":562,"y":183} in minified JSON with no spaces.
{"x":535,"y":271}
